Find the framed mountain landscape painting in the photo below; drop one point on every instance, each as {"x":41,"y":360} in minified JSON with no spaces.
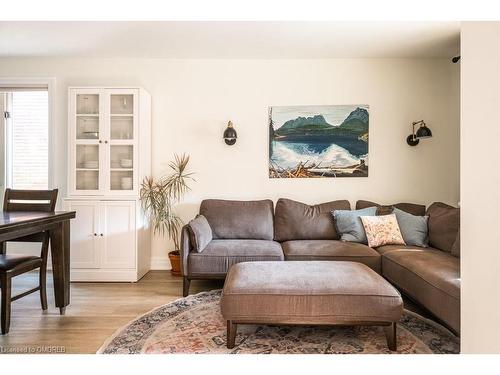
{"x":318,"y":141}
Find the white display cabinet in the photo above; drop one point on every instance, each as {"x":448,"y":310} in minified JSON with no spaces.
{"x":109,"y":141}
{"x":108,"y":131}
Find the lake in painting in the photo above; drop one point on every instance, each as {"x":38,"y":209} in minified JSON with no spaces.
{"x":318,"y":141}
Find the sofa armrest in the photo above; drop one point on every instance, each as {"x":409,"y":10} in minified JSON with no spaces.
{"x":185,"y":249}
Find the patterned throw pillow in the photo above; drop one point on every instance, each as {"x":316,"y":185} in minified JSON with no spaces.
{"x":382,"y":230}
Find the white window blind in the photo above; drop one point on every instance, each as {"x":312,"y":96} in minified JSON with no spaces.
{"x":28,"y":133}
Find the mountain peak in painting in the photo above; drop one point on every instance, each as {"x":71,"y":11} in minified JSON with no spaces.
{"x":359,"y":114}
{"x":317,"y":120}
{"x":355,"y":124}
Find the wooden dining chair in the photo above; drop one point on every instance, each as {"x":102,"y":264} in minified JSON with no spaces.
{"x":13,"y":265}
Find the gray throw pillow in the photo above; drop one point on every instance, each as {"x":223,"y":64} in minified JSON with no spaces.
{"x":413,"y":228}
{"x":200,"y":233}
{"x":349,"y":224}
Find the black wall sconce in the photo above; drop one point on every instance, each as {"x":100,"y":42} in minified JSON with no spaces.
{"x":422,"y":132}
{"x":230,"y":134}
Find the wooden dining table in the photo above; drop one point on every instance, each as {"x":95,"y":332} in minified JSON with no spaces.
{"x":19,"y":224}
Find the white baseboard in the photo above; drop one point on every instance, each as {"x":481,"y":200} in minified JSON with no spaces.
{"x":104,"y":275}
{"x":160,"y":263}
{"x":157,"y":263}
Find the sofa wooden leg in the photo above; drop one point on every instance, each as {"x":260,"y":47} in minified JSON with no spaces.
{"x":185,"y":286}
{"x":391,"y":334}
{"x":231,"y":333}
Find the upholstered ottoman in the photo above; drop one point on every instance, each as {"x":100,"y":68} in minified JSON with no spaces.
{"x":309,"y":292}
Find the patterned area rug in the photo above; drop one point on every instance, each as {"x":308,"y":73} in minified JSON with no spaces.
{"x":195,"y":325}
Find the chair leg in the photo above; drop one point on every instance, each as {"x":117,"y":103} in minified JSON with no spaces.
{"x":6,"y":299}
{"x":185,"y":286}
{"x":43,"y":286}
{"x":43,"y":271}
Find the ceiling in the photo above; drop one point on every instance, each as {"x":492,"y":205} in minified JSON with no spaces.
{"x":260,"y":40}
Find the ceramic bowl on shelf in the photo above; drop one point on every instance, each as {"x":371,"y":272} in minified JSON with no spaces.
{"x":126,"y":163}
{"x":91,"y":164}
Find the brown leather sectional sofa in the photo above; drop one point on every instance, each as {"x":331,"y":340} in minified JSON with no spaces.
{"x":246,"y":231}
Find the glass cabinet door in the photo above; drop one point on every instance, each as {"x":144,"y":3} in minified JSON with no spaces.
{"x":87,"y":116}
{"x":122,"y":141}
{"x":122,"y":167}
{"x":87,"y":131}
{"x":87,"y":167}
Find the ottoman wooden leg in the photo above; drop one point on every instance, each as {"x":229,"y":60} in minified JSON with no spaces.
{"x":390,"y":332}
{"x":231,"y":333}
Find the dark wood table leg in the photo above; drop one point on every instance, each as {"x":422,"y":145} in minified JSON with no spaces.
{"x":391,"y":334}
{"x":5,"y":281}
{"x":59,"y":249}
{"x":231,"y":333}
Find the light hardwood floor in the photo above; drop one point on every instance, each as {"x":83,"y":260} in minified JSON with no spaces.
{"x":95,"y":312}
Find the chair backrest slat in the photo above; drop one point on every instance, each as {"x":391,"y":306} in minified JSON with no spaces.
{"x":30,"y":200}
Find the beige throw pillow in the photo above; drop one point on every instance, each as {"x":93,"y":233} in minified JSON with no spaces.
{"x":382,"y":230}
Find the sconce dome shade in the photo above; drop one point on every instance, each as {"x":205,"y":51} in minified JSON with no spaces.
{"x":423,"y":132}
{"x":230,"y":135}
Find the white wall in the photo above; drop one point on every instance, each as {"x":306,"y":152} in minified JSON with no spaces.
{"x":480,"y":181}
{"x":194,"y":99}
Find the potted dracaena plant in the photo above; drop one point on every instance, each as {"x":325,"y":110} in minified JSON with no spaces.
{"x":158,"y":198}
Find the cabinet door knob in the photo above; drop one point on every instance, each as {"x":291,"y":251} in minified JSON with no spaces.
{"x":105,"y":141}
{"x":95,"y":234}
{"x":100,"y":141}
{"x":102,"y":234}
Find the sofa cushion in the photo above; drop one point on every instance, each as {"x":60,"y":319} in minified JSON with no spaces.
{"x":444,"y":225}
{"x":349,"y":225}
{"x":430,"y":276}
{"x":239,"y":219}
{"x":386,"y":248}
{"x":331,"y":250}
{"x":411,"y":208}
{"x":220,"y":255}
{"x":200,"y":233}
{"x":299,"y":221}
{"x":384,"y":210}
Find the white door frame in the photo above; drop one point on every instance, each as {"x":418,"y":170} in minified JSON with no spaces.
{"x":3,"y":172}
{"x":50,"y":82}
